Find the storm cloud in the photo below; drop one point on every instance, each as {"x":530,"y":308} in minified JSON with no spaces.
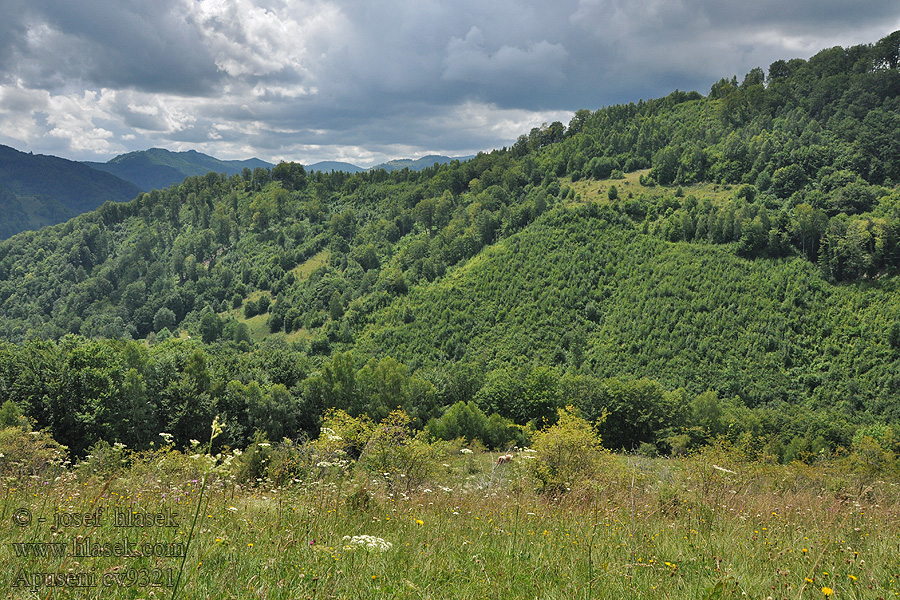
{"x":311,"y":80}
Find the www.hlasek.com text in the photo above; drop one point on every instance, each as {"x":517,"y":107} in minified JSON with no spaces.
{"x":86,"y":548}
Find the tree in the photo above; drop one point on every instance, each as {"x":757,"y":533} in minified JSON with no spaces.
{"x":807,"y":226}
{"x":886,"y":54}
{"x":275,"y":413}
{"x":11,"y":416}
{"x":164,"y":317}
{"x":637,"y":411}
{"x":787,"y":180}
{"x":210,"y":327}
{"x":291,"y":175}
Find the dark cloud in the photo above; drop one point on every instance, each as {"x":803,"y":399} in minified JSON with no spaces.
{"x":319,"y":79}
{"x":150,"y":46}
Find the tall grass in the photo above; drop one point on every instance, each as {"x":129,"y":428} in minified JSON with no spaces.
{"x":698,"y":527}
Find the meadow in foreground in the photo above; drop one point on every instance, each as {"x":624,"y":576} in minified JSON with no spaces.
{"x":715,"y":524}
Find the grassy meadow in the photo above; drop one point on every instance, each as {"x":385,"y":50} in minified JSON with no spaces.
{"x":711,"y":525}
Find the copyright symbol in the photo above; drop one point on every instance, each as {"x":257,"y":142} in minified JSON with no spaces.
{"x":22,"y":517}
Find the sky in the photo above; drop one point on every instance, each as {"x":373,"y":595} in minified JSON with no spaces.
{"x":365,"y":81}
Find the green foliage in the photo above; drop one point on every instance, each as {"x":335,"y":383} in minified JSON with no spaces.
{"x":25,"y":454}
{"x":11,"y":416}
{"x":406,"y":461}
{"x":464,"y":420}
{"x":753,"y":272}
{"x":104,"y":461}
{"x":566,"y":454}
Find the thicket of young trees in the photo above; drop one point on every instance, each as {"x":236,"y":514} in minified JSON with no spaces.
{"x":489,"y":283}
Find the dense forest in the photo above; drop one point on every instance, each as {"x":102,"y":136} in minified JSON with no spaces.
{"x":678,"y":269}
{"x":38,"y":190}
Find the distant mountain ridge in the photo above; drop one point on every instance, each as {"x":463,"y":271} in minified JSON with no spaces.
{"x":327,"y":166}
{"x":38,"y":190}
{"x":160,"y":168}
{"x":398,"y":164}
{"x":419,"y":163}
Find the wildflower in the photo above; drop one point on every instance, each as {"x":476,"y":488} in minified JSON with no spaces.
{"x":369,"y":542}
{"x":420,"y":522}
{"x":330,"y":435}
{"x":827,"y":591}
{"x":853,"y":577}
{"x":465,"y":451}
{"x":217,"y":427}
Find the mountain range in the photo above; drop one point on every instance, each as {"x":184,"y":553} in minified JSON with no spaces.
{"x":392,"y":165}
{"x":38,"y":190}
{"x":158,"y":168}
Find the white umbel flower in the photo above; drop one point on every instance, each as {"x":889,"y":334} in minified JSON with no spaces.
{"x":369,"y":542}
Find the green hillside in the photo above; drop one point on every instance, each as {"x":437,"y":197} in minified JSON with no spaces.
{"x":688,"y":266}
{"x":158,"y":168}
{"x":38,"y":190}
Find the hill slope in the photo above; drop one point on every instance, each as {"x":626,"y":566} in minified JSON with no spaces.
{"x":158,"y":168}
{"x":746,"y":243}
{"x":38,"y":190}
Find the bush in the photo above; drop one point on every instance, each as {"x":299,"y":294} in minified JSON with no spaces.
{"x":26,"y":453}
{"x":343,"y":433}
{"x":11,"y":416}
{"x":104,"y":460}
{"x":566,"y":453}
{"x":403,"y":459}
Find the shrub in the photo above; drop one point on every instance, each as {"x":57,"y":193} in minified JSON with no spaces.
{"x":26,"y":453}
{"x":566,"y":453}
{"x":342,"y":433}
{"x":11,"y":416}
{"x":104,"y":460}
{"x":394,"y":453}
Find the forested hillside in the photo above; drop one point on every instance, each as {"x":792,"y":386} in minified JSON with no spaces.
{"x":38,"y":190}
{"x":691,"y":266}
{"x":159,"y":168}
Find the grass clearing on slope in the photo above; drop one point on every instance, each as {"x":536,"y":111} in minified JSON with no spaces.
{"x":592,"y":190}
{"x":258,"y":324}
